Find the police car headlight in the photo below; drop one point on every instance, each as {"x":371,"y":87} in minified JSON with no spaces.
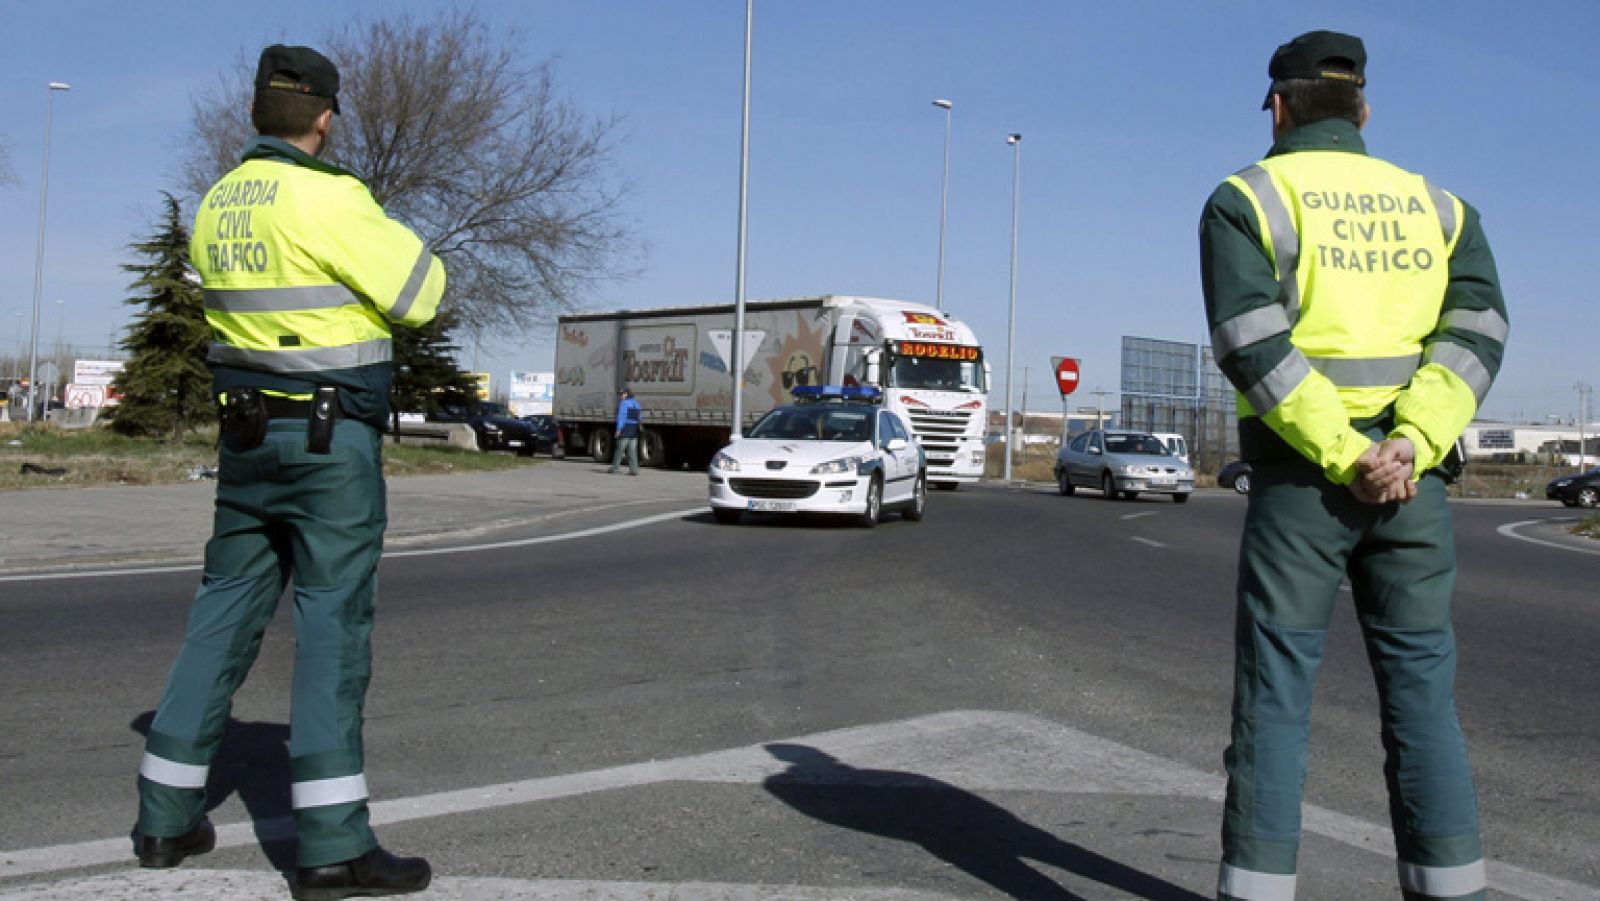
{"x":724,"y":463}
{"x":843,"y":464}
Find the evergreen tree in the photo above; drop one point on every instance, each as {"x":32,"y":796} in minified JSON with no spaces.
{"x":425,"y":371}
{"x":165,"y":384}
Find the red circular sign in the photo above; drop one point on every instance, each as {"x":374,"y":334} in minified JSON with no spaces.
{"x":1067,"y":375}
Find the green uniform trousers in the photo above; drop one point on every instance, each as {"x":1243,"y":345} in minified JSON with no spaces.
{"x":281,"y":513}
{"x":1303,"y":536}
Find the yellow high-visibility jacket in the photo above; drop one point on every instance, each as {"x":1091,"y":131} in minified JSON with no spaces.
{"x":303,"y":274}
{"x":1341,"y":289}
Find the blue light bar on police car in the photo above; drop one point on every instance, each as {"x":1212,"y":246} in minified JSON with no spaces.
{"x":836,"y":392}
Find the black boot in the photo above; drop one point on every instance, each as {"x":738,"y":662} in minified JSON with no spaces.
{"x":165,"y":853}
{"x":374,"y":873}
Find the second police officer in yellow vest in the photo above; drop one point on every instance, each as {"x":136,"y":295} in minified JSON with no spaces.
{"x":1356,"y":308}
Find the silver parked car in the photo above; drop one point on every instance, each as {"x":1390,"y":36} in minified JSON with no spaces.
{"x":1117,"y":461}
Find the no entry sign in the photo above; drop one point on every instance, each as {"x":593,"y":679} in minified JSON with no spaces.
{"x":1066,"y":374}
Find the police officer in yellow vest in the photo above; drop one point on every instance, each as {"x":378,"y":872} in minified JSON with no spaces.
{"x":303,"y":274}
{"x":1356,"y":308}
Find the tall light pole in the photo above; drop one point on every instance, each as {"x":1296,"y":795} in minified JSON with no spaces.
{"x":38,"y":259}
{"x":737,"y":363}
{"x":1015,"y":140}
{"x":944,"y":198}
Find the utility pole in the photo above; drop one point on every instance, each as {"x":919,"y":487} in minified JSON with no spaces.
{"x":1099,"y":407}
{"x":1584,"y":391}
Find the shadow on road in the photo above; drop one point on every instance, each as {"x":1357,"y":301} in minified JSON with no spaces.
{"x":954,"y":825}
{"x":253,"y":762}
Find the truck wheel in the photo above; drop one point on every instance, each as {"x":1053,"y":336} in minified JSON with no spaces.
{"x":650,"y":448}
{"x":600,"y":442}
{"x":869,"y":516}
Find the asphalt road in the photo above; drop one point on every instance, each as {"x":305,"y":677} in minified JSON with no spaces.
{"x":1024,"y":695}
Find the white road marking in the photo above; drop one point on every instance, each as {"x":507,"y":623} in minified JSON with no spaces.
{"x":1139,"y":515}
{"x":421,"y":552}
{"x":1510,"y":531}
{"x":252,"y":885}
{"x":975,"y":750}
{"x":100,"y":573}
{"x":1148,"y":541}
{"x":546,"y":539}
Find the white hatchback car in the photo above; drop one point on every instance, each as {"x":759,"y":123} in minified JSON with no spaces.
{"x":838,"y":452}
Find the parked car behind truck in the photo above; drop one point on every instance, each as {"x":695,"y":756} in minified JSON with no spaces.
{"x":1118,"y":461}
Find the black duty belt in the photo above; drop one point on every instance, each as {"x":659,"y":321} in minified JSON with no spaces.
{"x":288,"y":408}
{"x":247,"y":411}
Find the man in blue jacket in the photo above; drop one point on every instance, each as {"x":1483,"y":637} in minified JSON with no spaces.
{"x":628,"y":414}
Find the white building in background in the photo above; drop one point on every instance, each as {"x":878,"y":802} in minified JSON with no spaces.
{"x":1486,"y":440}
{"x":531,"y":393}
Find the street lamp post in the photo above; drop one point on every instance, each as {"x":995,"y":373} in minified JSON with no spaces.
{"x":737,"y":363}
{"x":38,"y":259}
{"x":1015,"y":140}
{"x":944,"y":199}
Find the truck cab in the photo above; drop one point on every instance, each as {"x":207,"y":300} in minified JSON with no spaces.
{"x":932,"y":372}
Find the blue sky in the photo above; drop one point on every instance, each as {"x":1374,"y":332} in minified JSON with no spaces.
{"x":1130,"y":114}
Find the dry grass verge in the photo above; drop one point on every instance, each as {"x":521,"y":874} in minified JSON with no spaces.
{"x":42,"y":456}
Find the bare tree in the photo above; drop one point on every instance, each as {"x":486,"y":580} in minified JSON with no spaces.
{"x":507,"y":181}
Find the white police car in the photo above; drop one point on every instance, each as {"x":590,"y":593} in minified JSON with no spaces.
{"x":834,"y":450}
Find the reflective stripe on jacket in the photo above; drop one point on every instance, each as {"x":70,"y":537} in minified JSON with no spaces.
{"x":302,"y":270}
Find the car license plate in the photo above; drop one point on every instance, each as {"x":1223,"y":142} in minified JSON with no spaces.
{"x":1163,"y":483}
{"x":772,"y":506}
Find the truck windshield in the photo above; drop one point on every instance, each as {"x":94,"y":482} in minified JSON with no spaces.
{"x":937,"y":375}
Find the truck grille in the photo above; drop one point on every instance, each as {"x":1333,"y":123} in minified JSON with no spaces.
{"x":939,"y":433}
{"x":773,"y":489}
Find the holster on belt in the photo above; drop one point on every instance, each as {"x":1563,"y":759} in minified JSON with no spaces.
{"x":244,"y":418}
{"x":319,"y":426}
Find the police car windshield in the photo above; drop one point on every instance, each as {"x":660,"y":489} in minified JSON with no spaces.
{"x":816,"y":422}
{"x":936,"y":375}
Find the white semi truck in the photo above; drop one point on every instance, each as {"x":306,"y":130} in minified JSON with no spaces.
{"x":677,"y":362}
